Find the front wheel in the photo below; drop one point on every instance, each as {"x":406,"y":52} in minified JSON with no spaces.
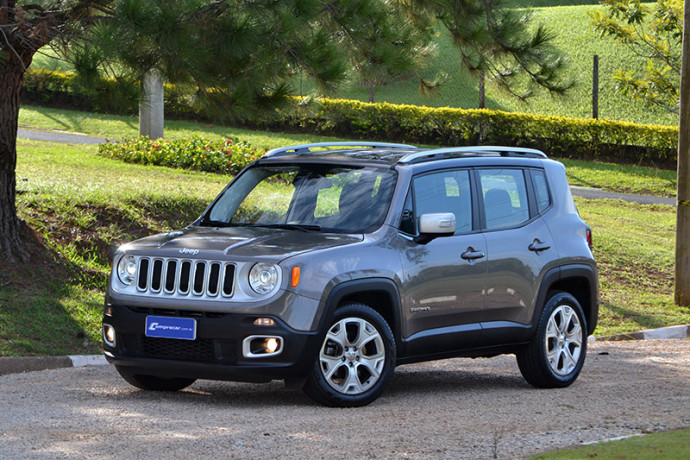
{"x":154,"y":383}
{"x":555,"y":356}
{"x":356,"y":359}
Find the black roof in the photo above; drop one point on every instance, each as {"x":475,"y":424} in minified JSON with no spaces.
{"x":389,"y":154}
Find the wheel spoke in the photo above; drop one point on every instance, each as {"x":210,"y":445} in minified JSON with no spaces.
{"x":575,"y":335}
{"x":339,"y":336}
{"x":366,"y":334}
{"x":374,"y":365}
{"x":332,"y":366}
{"x":568,"y":314}
{"x":569,"y":361}
{"x":552,"y":327}
{"x":352,"y":384}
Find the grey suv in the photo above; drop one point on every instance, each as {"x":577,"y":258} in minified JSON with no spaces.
{"x":327,"y":265}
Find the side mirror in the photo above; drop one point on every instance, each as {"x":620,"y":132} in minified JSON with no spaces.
{"x":434,"y":225}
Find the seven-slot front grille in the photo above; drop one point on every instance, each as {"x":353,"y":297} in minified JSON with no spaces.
{"x":185,"y":277}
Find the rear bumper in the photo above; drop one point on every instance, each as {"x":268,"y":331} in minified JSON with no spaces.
{"x":215,"y":354}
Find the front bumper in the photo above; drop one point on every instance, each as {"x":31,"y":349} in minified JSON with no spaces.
{"x":215,"y":354}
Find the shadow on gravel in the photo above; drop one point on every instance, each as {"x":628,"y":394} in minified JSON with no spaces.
{"x":213,"y":394}
{"x":406,"y":383}
{"x":421,"y":382}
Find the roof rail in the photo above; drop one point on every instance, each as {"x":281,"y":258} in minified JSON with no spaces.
{"x":306,"y":148}
{"x":478,"y":150}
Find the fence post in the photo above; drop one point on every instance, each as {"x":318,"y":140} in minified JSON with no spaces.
{"x":595,"y":87}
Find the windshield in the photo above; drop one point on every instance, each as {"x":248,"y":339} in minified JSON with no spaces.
{"x":306,"y":197}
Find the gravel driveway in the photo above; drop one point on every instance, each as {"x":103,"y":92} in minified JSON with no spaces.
{"x":458,"y":408}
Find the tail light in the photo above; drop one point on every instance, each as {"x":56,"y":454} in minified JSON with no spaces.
{"x":589,"y":238}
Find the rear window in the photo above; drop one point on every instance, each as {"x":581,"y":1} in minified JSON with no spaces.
{"x":504,"y":194}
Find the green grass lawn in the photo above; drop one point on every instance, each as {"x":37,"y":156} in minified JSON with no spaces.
{"x":667,"y":445}
{"x":634,"y":246}
{"x":82,"y":205}
{"x":574,"y":39}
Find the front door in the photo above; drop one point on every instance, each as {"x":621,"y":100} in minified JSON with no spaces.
{"x":444,"y":279}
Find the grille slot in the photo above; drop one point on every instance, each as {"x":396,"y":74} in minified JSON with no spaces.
{"x":185,"y":350}
{"x":213,"y":279}
{"x":199,"y":271}
{"x":170,"y":276}
{"x":185,"y":277}
{"x":157,"y":271}
{"x":143,"y":274}
{"x":228,"y":279}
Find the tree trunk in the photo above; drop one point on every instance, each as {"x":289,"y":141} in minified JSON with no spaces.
{"x":11,"y":79}
{"x":682,"y":291}
{"x":151,"y":106}
{"x":371,"y":93}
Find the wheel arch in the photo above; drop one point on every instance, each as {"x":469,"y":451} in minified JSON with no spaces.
{"x":380,"y":294}
{"x":581,"y":282}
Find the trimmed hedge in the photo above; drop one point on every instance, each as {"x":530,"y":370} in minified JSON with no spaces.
{"x":562,"y":137}
{"x":227,"y":156}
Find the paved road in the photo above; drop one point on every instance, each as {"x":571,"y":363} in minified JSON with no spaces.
{"x":57,"y":136}
{"x":458,"y":408}
{"x":593,"y":193}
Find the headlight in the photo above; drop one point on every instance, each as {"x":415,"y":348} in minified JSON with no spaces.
{"x":127,"y":269}
{"x":263,"y":278}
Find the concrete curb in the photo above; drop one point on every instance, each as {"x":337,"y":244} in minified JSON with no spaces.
{"x":42,"y":363}
{"x":671,"y":332}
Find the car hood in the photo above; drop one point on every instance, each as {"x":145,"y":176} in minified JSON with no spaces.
{"x":237,"y":243}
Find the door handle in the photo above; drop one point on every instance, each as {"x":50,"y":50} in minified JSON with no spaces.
{"x":537,"y":246}
{"x":471,"y":254}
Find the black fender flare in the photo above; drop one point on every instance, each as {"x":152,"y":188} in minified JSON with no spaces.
{"x":342,"y":290}
{"x":562,"y":273}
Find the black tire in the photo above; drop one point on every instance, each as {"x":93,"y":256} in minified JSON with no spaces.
{"x":154,"y":383}
{"x":345,"y":375}
{"x":556,"y":354}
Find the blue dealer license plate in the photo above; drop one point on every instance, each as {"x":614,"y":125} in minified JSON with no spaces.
{"x":171,"y":328}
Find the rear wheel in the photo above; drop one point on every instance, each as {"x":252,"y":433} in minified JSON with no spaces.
{"x":557,"y":352}
{"x":154,"y":383}
{"x":356,"y":359}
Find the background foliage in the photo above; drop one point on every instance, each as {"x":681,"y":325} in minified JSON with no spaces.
{"x":226,"y":156}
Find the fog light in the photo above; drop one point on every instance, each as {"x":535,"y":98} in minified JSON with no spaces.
{"x":109,"y":335}
{"x":271,"y":345}
{"x":264,"y":322}
{"x":260,"y":346}
{"x":108,"y":310}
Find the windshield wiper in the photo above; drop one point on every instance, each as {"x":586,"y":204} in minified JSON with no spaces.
{"x":213,"y":223}
{"x":302,"y":227}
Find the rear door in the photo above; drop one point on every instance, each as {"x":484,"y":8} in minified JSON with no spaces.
{"x":520,"y":246}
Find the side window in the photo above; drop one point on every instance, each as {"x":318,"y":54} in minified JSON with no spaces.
{"x":505,"y":197}
{"x":541,"y":190}
{"x":445,"y":191}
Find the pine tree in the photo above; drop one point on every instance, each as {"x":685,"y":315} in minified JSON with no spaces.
{"x":382,"y":41}
{"x":499,"y":43}
{"x":235,"y":58}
